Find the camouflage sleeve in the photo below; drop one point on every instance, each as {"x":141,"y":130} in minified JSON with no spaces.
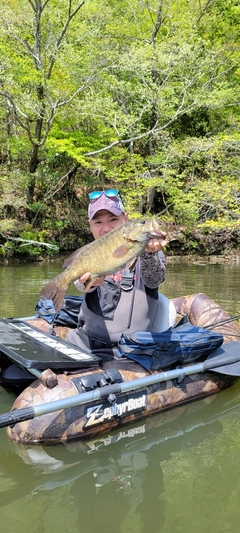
{"x":152,"y":268}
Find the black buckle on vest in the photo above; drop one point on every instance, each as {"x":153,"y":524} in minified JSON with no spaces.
{"x":96,"y":344}
{"x":92,"y":343}
{"x":127,"y":280}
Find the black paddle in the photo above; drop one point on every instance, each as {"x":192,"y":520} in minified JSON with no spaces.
{"x":222,"y":360}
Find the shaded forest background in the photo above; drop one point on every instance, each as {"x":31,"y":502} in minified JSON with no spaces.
{"x":142,"y":96}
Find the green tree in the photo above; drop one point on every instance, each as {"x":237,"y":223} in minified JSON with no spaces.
{"x":35,"y":53}
{"x":131,"y":92}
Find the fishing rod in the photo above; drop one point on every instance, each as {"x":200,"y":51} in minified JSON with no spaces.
{"x":223,"y":322}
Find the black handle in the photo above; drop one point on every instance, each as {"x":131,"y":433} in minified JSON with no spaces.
{"x":14,"y":416}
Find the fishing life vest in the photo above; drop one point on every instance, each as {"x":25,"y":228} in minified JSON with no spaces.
{"x":116,"y":308}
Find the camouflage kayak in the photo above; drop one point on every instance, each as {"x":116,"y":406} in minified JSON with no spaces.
{"x":105,"y":401}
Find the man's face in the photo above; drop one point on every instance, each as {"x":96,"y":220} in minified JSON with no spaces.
{"x":104,"y":221}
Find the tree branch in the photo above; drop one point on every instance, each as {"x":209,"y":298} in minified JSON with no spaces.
{"x":60,"y":38}
{"x":203,"y":10}
{"x":26,"y":241}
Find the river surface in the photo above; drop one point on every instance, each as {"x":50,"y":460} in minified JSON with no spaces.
{"x":175,"y":472}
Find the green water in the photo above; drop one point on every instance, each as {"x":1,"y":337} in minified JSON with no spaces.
{"x":175,"y":472}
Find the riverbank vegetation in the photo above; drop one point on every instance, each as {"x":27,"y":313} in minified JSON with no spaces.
{"x":142,"y":96}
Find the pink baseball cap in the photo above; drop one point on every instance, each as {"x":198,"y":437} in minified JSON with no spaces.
{"x":112,"y":204}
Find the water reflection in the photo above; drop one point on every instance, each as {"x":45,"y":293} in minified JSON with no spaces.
{"x":107,"y":477}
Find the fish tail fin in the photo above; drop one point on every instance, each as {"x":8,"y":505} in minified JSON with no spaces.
{"x":55,"y":292}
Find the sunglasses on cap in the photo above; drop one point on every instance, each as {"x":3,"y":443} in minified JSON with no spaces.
{"x":96,"y":194}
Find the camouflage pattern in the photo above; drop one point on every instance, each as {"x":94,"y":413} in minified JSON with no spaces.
{"x":91,"y":420}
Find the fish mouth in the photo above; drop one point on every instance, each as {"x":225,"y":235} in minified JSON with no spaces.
{"x":155,"y":235}
{"x":155,"y":232}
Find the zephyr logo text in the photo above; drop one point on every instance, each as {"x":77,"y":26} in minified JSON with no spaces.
{"x":106,"y":411}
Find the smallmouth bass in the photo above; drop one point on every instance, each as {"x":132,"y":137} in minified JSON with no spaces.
{"x":106,"y":255}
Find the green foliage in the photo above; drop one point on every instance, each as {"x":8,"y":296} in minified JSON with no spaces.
{"x":7,"y":249}
{"x":141,"y":96}
{"x":61,"y":224}
{"x":7,"y":224}
{"x":214,"y":226}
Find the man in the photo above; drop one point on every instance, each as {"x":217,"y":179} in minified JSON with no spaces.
{"x":123,"y":302}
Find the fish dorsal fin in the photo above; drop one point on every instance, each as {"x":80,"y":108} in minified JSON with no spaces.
{"x":71,"y":258}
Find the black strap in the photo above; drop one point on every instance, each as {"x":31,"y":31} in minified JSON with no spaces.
{"x":92,"y":343}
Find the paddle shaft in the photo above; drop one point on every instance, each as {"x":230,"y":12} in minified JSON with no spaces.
{"x":27,"y":413}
